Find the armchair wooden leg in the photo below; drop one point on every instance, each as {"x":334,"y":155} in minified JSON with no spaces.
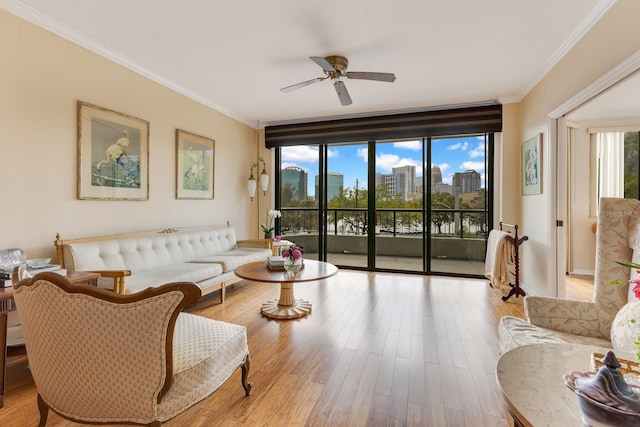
{"x":245,"y":374}
{"x":44,"y":411}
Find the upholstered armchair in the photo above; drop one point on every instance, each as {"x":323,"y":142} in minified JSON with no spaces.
{"x":586,"y":322}
{"x":99,"y":357}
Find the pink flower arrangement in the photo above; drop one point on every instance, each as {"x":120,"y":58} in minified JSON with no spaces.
{"x":294,"y":252}
{"x":636,"y":286}
{"x":633,"y":282}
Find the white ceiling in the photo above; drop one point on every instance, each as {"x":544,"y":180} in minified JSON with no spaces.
{"x":235,"y":56}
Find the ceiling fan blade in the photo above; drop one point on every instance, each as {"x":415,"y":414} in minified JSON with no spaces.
{"x":323,"y":63}
{"x":342,"y":92}
{"x":364,"y":75}
{"x":301,"y":84}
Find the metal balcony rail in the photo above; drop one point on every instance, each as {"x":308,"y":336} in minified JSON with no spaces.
{"x":457,"y":223}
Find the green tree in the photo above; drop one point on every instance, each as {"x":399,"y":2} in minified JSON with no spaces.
{"x":442,"y":201}
{"x":631,"y":167}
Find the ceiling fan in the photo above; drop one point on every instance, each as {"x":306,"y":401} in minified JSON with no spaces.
{"x":335,"y":67}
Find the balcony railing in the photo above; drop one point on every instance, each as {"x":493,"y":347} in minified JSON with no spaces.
{"x":460,"y":223}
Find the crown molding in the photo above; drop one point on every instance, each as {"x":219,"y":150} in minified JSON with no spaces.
{"x":601,"y":8}
{"x":33,"y":16}
{"x":613,"y":76}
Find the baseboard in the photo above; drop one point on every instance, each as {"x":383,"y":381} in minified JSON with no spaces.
{"x":583,"y":272}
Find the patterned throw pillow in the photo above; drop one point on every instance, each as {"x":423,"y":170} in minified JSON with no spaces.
{"x":625,"y":328}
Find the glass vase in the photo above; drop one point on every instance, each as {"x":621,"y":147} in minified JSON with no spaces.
{"x":10,"y":258}
{"x":292,"y":266}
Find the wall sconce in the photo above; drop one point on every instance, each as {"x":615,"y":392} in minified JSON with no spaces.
{"x":264,"y":179}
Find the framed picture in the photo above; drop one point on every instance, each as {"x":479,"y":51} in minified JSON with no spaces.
{"x":532,"y":166}
{"x":194,"y":166}
{"x":113,"y":155}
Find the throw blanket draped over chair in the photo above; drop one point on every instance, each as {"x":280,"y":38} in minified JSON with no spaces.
{"x":500,"y":255}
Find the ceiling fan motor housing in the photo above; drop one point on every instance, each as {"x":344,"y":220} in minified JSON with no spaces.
{"x":339,"y":63}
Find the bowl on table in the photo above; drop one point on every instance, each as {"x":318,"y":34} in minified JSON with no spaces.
{"x":38,"y":263}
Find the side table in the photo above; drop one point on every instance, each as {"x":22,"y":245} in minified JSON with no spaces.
{"x":530,"y":378}
{"x":19,"y":355}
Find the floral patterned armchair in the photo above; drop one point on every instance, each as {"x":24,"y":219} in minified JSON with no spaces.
{"x":586,"y":322}
{"x":100,"y":357}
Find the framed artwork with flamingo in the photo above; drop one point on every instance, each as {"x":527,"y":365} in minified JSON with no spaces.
{"x":113,"y":155}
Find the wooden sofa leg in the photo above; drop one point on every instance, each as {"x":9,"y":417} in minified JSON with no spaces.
{"x":245,"y":374}
{"x":44,"y":411}
{"x":222,"y":290}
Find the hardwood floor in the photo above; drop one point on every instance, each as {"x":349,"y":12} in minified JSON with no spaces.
{"x":378,"y":349}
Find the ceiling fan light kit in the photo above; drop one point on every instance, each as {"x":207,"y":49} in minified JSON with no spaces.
{"x":335,"y":67}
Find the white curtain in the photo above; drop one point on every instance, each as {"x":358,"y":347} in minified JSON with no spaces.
{"x":610,"y":161}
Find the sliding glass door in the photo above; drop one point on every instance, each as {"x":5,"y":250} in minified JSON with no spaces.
{"x":418,"y":205}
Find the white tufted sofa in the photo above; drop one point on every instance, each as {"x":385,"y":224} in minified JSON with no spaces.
{"x":588,"y":322}
{"x":129,"y":263}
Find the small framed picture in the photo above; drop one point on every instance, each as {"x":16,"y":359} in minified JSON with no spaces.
{"x":532,"y":166}
{"x":113,"y":155}
{"x":195,"y":156}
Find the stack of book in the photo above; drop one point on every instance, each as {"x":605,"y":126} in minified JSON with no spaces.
{"x":275,"y":262}
{"x":5,"y":278}
{"x":47,"y":267}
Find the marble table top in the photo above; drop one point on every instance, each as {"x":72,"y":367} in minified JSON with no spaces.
{"x":532,"y":384}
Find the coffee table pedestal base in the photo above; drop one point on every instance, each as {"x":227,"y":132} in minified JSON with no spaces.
{"x":287,"y":307}
{"x":275,"y":311}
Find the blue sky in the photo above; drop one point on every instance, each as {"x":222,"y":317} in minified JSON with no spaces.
{"x":451,"y":154}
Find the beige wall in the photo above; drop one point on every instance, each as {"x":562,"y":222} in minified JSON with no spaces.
{"x":614,"y":38}
{"x":42,"y":77}
{"x":508,"y":187}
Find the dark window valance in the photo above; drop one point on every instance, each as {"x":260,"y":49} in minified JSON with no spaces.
{"x":460,"y":121}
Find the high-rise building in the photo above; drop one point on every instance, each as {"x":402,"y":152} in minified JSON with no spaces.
{"x":441,"y":187}
{"x":466,"y":182}
{"x":335,"y":185}
{"x":386,"y":183}
{"x":405,"y":181}
{"x":401,"y":183}
{"x":296,"y":179}
{"x":436,"y":174}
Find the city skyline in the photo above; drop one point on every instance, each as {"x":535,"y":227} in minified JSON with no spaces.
{"x":450,"y":154}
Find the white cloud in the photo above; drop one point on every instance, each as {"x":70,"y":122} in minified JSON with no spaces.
{"x":443,"y":167}
{"x":301,"y":154}
{"x":477,"y":152}
{"x":386,"y":162}
{"x":476,"y":166}
{"x":409,"y":145}
{"x":459,"y":146}
{"x":364,"y":154}
{"x":447,"y":179}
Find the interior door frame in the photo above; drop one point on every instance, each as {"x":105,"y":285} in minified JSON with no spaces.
{"x":559,"y":178}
